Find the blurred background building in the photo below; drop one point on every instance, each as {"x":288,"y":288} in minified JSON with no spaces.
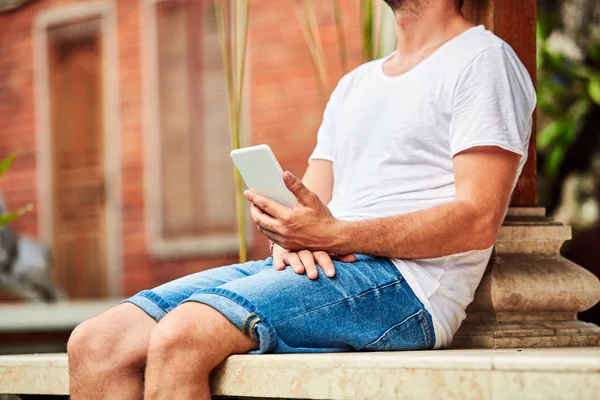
{"x":118,"y":111}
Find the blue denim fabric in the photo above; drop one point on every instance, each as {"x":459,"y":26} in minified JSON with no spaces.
{"x":367,"y":306}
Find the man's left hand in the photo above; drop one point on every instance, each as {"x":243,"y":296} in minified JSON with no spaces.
{"x":309,"y":225}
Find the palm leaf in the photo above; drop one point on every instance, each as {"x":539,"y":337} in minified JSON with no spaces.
{"x":310,"y":29}
{"x":339,"y":27}
{"x":6,"y":163}
{"x":367,"y":25}
{"x":11,"y":216}
{"x":233,"y":28}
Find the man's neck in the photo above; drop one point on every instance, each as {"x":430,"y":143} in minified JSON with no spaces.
{"x":425,"y":25}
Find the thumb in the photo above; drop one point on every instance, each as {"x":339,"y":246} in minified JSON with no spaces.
{"x":296,"y":186}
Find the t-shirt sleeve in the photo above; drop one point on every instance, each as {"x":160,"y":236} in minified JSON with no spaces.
{"x":493,"y":104}
{"x":326,"y":134}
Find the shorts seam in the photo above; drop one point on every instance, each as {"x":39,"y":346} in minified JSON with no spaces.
{"x":383,"y":337}
{"x":254,"y":315}
{"x":155,"y":299}
{"x":345,"y":299}
{"x":426,"y":329}
{"x":158,"y":300}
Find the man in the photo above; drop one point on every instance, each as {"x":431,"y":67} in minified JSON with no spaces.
{"x":416,"y":158}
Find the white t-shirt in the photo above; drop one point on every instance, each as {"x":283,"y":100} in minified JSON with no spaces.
{"x":391,"y":141}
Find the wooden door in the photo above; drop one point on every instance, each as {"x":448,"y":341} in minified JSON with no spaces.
{"x":75,"y":79}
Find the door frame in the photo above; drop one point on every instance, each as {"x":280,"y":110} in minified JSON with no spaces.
{"x":106,"y":11}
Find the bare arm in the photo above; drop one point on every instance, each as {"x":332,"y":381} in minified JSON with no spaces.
{"x":318,"y":178}
{"x":484,"y":179}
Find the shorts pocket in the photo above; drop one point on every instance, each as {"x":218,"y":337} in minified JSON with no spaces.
{"x":412,"y":333}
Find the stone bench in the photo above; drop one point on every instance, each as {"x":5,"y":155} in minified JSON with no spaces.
{"x":44,"y":327}
{"x":447,"y":374}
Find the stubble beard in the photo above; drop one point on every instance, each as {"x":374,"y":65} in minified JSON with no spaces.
{"x":409,"y":6}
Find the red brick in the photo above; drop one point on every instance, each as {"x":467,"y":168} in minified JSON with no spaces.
{"x":286,"y":105}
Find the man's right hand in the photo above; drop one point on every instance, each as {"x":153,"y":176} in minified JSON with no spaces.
{"x":306,"y":261}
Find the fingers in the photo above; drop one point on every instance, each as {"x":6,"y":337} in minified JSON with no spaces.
{"x":302,"y":193}
{"x":264,"y":220}
{"x":279,"y":265}
{"x":293,"y":260}
{"x":308,"y":260}
{"x":325,"y":263}
{"x":346,"y":257}
{"x":267,"y":205}
{"x":255,"y":212}
{"x":257,"y":215}
{"x":278,"y":262}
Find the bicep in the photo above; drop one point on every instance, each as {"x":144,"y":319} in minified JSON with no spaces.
{"x":485,"y":177}
{"x":319,"y":179}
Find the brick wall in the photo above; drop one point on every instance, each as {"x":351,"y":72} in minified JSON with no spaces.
{"x":285,"y":111}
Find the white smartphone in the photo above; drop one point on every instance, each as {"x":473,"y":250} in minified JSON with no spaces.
{"x":262,"y":173}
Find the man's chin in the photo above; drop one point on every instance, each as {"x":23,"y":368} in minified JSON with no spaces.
{"x":408,"y":6}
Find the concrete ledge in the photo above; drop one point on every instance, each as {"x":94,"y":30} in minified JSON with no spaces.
{"x":448,"y":374}
{"x":46,"y":317}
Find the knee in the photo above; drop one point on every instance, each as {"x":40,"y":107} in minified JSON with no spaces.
{"x":97,"y":347}
{"x":179,"y":341}
{"x":85,"y":342}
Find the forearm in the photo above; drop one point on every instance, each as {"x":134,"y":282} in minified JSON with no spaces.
{"x":319,"y":179}
{"x":484,"y":179}
{"x":447,"y":229}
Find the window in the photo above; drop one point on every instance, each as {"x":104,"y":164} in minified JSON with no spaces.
{"x":195,"y":202}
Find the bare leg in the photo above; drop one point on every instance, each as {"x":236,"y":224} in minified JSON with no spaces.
{"x":184,"y":348}
{"x":107,"y":354}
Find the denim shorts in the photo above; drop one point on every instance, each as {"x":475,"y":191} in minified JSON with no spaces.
{"x":367,"y":306}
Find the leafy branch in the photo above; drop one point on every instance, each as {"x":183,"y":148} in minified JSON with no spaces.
{"x":568,"y":91}
{"x":7,"y":218}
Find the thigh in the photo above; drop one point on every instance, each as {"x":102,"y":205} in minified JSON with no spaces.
{"x":157,"y":302}
{"x":367,"y":305}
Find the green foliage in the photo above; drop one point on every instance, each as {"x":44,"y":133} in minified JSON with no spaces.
{"x":371,"y":20}
{"x":567,"y":92}
{"x":9,"y":217}
{"x":232,"y":21}
{"x":4,"y":164}
{"x":368,"y":30}
{"x":594,"y":90}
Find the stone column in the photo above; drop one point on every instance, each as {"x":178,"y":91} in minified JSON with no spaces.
{"x":514,"y":21}
{"x":530,"y":295}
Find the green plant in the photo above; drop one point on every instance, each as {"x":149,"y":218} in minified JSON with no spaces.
{"x":371,"y":17}
{"x":10,"y":216}
{"x":232,"y":19}
{"x":568,"y":91}
{"x":310,"y":28}
{"x":339,"y":28}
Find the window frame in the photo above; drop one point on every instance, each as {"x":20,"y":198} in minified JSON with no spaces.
{"x":215,"y":244}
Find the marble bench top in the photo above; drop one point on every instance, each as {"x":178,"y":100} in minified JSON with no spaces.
{"x":448,"y":374}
